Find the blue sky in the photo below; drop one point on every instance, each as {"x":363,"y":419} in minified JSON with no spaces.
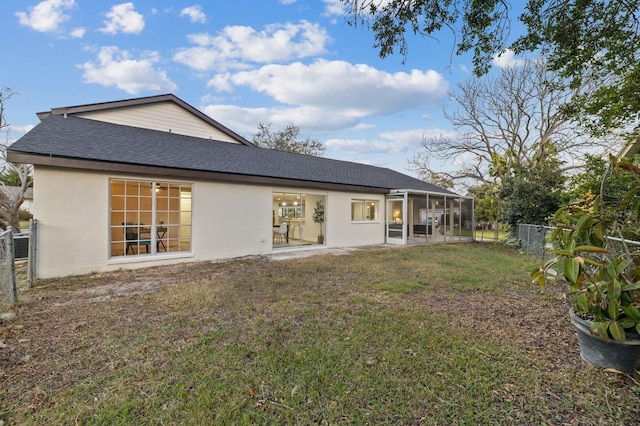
{"x":241,"y":62}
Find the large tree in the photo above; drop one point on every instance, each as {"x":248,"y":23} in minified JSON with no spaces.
{"x":17,"y":175}
{"x":287,"y":140}
{"x":532,"y":195}
{"x":595,"y":40}
{"x":505,"y":122}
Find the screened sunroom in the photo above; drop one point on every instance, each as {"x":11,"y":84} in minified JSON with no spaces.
{"x":415,"y":217}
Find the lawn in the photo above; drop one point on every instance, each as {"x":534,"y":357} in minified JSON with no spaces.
{"x":442,"y":334}
{"x":483,"y":235}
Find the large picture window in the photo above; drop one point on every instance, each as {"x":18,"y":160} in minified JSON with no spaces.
{"x":364,"y":210}
{"x":149,"y":217}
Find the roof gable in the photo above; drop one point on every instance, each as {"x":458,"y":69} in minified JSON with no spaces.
{"x":166,"y":113}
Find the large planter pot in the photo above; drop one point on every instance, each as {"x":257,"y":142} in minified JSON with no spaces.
{"x":623,"y":356}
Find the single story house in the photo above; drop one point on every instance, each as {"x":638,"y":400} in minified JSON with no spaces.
{"x":152,"y":180}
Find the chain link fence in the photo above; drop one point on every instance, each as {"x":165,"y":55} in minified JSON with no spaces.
{"x":534,"y":242}
{"x":8,"y":290}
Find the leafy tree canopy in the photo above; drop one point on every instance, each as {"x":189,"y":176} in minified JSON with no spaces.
{"x":595,"y":40}
{"x":486,"y":202}
{"x":601,"y":184}
{"x":287,"y":140}
{"x":10,"y":176}
{"x":532,"y":195}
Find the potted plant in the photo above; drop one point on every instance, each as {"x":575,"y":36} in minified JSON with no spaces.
{"x":602,"y":275}
{"x":318,"y":217}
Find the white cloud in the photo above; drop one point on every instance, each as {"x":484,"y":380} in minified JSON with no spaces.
{"x":194,"y":13}
{"x":236,"y":46}
{"x":78,"y":32}
{"x":356,"y":90}
{"x":465,"y":159}
{"x":309,"y":119}
{"x":334,"y":8}
{"x":405,"y":141}
{"x":117,"y":68}
{"x":123,"y":18}
{"x":46,"y":16}
{"x":507,"y":59}
{"x":13,"y":133}
{"x":327,"y":96}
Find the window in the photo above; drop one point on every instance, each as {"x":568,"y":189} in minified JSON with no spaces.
{"x":149,"y":217}
{"x":364,"y":210}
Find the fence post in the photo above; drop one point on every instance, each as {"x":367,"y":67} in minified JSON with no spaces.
{"x":31,"y":261}
{"x":14,"y":289}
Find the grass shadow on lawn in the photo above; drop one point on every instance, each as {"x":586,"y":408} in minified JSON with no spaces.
{"x":446,"y":334}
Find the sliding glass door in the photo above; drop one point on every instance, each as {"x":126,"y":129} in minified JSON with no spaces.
{"x":298,"y":219}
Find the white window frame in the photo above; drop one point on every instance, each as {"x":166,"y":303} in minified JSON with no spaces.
{"x":164,"y":236}
{"x":365,"y":203}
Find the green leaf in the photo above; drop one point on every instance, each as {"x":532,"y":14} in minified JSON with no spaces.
{"x":584,"y":223}
{"x":631,"y":286}
{"x":626,"y":198}
{"x":617,"y":332}
{"x":595,"y":263}
{"x":614,"y":290}
{"x":591,"y":249}
{"x":636,"y":207}
{"x":598,"y":231}
{"x":620,"y":267}
{"x":581,"y":304}
{"x":538,"y":277}
{"x":627,"y":322}
{"x":600,"y":328}
{"x":632,"y":312}
{"x":613,"y":309}
{"x":571,"y":269}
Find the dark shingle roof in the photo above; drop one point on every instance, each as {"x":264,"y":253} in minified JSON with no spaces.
{"x":85,"y":139}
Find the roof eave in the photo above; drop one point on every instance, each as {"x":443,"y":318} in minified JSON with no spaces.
{"x":103,"y":166}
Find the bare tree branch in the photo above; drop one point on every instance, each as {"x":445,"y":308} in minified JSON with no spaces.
{"x":11,"y":201}
{"x":512,"y":120}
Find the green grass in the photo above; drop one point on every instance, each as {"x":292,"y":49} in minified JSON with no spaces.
{"x":420,"y":335}
{"x":490,"y":235}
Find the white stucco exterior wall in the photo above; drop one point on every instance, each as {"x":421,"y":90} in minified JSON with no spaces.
{"x":72,"y":213}
{"x":341,"y":232}
{"x":228,"y":220}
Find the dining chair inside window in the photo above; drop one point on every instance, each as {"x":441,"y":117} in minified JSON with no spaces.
{"x":161,"y":231}
{"x":132,"y":238}
{"x":281,"y":234}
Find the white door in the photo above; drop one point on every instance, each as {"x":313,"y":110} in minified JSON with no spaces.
{"x":397,"y":219}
